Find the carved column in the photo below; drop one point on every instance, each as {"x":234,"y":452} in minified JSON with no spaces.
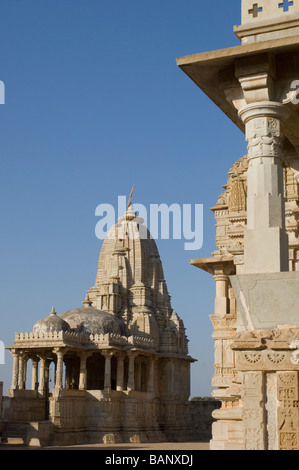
{"x":34,"y":375}
{"x":41,"y":385}
{"x":21,"y":379}
{"x":47,"y":375}
{"x":151,"y":375}
{"x":265,"y":232}
{"x":221,"y":300}
{"x":131,"y":372}
{"x":107,"y":376}
{"x":288,"y":412}
{"x":59,"y":369}
{"x":15,"y":370}
{"x":83,"y":371}
{"x":253,"y":412}
{"x":120,"y":372}
{"x":138,"y":365}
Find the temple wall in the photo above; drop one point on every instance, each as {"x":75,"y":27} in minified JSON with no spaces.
{"x":201,"y":417}
{"x":26,"y":405}
{"x":78,"y":417}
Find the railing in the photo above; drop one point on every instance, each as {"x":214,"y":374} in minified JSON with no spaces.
{"x":108,"y":339}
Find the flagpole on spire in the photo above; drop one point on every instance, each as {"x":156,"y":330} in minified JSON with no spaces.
{"x":130,"y":197}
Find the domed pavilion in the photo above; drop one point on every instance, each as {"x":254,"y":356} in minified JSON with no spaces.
{"x":121,"y":363}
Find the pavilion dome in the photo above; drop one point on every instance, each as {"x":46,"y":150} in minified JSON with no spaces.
{"x":89,"y":320}
{"x":52,"y":323}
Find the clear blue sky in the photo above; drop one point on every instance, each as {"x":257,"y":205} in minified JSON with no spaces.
{"x":95,"y":102}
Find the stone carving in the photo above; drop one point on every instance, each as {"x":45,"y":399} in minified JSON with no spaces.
{"x":253,"y":414}
{"x":253,"y":358}
{"x":288,"y":424}
{"x":237,"y":197}
{"x":295,"y":355}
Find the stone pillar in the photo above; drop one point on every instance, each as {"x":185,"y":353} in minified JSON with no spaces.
{"x":21,"y":379}
{"x":107,"y":377}
{"x":151,"y":375}
{"x":15,"y":370}
{"x":287,"y":410}
{"x":221,"y":300}
{"x":254,"y":420}
{"x":131,"y":373}
{"x":138,"y":365}
{"x":120,"y":372}
{"x":59,"y":369}
{"x":68,"y":374}
{"x":265,"y":242}
{"x":83,"y":371}
{"x":47,"y":375}
{"x":41,"y":385}
{"x":34,"y":375}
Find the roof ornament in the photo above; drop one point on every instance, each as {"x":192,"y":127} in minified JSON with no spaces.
{"x":87,"y":302}
{"x":53,"y":311}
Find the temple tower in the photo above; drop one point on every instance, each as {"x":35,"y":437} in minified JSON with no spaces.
{"x":121,"y":364}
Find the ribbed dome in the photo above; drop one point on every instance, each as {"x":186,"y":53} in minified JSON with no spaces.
{"x":88,"y":320}
{"x":52,"y":323}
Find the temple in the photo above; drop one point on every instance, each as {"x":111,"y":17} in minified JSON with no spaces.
{"x":256,"y":263}
{"x":120,"y":362}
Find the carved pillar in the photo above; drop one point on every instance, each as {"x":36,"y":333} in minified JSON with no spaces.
{"x":253,"y":412}
{"x":83,"y":371}
{"x":138,"y":365}
{"x":120,"y":372}
{"x":151,"y":375}
{"x":68,"y":373}
{"x":131,"y":372}
{"x":47,"y":375}
{"x":59,"y":369}
{"x":21,"y":379}
{"x":34,"y":374}
{"x":288,"y":412}
{"x":15,"y":370}
{"x":41,"y":385}
{"x":221,"y":300}
{"x":107,"y":376}
{"x":265,"y":232}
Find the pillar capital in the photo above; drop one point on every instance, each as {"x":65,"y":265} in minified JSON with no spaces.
{"x":265,"y":110}
{"x":221,"y":277}
{"x":107,"y":353}
{"x":59,"y":352}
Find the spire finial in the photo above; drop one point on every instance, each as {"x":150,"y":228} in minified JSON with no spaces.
{"x":130,"y":197}
{"x":87,"y":302}
{"x":53,"y":311}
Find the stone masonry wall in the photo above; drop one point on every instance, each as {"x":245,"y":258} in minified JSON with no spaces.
{"x":201,"y":416}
